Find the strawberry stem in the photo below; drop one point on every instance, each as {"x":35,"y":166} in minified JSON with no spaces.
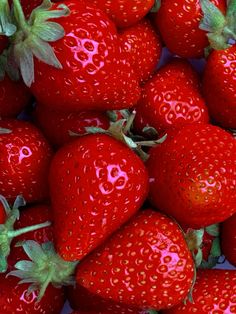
{"x":17,"y":233}
{"x":18,"y":12}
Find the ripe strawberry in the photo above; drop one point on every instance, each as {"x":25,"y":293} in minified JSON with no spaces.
{"x":84,"y":68}
{"x":125,"y":12}
{"x":192,"y":175}
{"x":56,"y":125}
{"x":14,"y":96}
{"x":14,"y":298}
{"x":169,"y":100}
{"x":129,"y":311}
{"x":213,"y":292}
{"x":219,"y":86}
{"x":97,"y":183}
{"x":145,"y":264}
{"x":228,"y":239}
{"x":142,"y":47}
{"x":24,"y":162}
{"x":178,"y":23}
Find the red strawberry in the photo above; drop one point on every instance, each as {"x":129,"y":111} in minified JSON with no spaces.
{"x":125,"y":12}
{"x":193,"y":175}
{"x":24,"y":162}
{"x":88,"y":70}
{"x":228,"y":239}
{"x":145,"y":264}
{"x":143,"y":47}
{"x":129,"y":311}
{"x":14,"y":298}
{"x":2,"y":214}
{"x":14,"y":96}
{"x":178,"y":23}
{"x":56,"y":125}
{"x":213,"y":292}
{"x":219,"y":85}
{"x":169,"y":100}
{"x":97,"y":183}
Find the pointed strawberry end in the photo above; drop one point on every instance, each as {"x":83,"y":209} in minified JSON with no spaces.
{"x":220,"y":28}
{"x":44,"y":267}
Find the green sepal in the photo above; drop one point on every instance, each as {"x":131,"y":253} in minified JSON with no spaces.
{"x":7,"y":28}
{"x":44,"y":267}
{"x":32,"y":38}
{"x":7,"y":231}
{"x":213,"y":230}
{"x":156,"y":6}
{"x":5,"y":131}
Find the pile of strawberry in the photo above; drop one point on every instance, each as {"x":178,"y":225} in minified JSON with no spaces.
{"x":117,"y":170}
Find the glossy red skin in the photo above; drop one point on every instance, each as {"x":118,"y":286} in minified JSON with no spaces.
{"x":129,"y":311}
{"x":97,"y":183}
{"x":14,"y":299}
{"x":228,"y":239}
{"x":219,"y":85}
{"x":142,"y":46}
{"x":82,"y":300}
{"x":145,"y":264}
{"x":124,"y":13}
{"x":56,"y":124}
{"x":170,"y":100}
{"x":32,"y":215}
{"x":2,"y":214}
{"x":214,"y":292}
{"x":24,"y":162}
{"x":178,"y":22}
{"x":14,"y":96}
{"x":192,"y":175}
{"x":95,"y":74}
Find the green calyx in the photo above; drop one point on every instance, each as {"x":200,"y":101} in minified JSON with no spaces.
{"x":156,"y":6}
{"x":220,"y":28}
{"x":44,"y":267}
{"x":32,"y":38}
{"x":7,"y":28}
{"x":7,"y":232}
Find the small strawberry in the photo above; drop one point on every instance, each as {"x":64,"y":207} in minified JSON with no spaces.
{"x":56,"y":125}
{"x":219,"y":85}
{"x":124,"y":13}
{"x":83,"y":68}
{"x":213,"y":292}
{"x":169,"y":100}
{"x":97,"y":183}
{"x":228,"y":239}
{"x":145,"y":264}
{"x":179,"y":21}
{"x":143,"y":47}
{"x":193,"y":175}
{"x":24,"y":161}
{"x":14,"y":96}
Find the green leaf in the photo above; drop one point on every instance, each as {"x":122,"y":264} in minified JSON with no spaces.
{"x":216,"y":249}
{"x":213,"y":230}
{"x":33,"y":250}
{"x":213,"y":19}
{"x":156,"y":6}
{"x":49,"y":31}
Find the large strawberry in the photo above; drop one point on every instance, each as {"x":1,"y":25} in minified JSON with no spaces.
{"x":228,"y":239}
{"x":178,"y":23}
{"x":219,"y":85}
{"x":169,"y":100}
{"x":83,"y":68}
{"x":24,"y":161}
{"x":56,"y":125}
{"x":193,"y":175}
{"x":125,"y":12}
{"x":97,"y":183}
{"x":14,"y":96}
{"x":213,"y":292}
{"x":145,"y":264}
{"x":143,"y":47}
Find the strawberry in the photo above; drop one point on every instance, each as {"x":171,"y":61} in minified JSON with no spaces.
{"x":228,"y":239}
{"x":24,"y":162}
{"x":14,"y":96}
{"x":219,"y":86}
{"x":124,"y":13}
{"x":213,"y":292}
{"x":129,"y":311}
{"x":178,"y":23}
{"x":57,"y":125}
{"x":14,"y":298}
{"x":84,"y":55}
{"x":143,"y":47}
{"x":145,"y":264}
{"x":193,"y":175}
{"x":169,"y":100}
{"x":85,"y":215}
